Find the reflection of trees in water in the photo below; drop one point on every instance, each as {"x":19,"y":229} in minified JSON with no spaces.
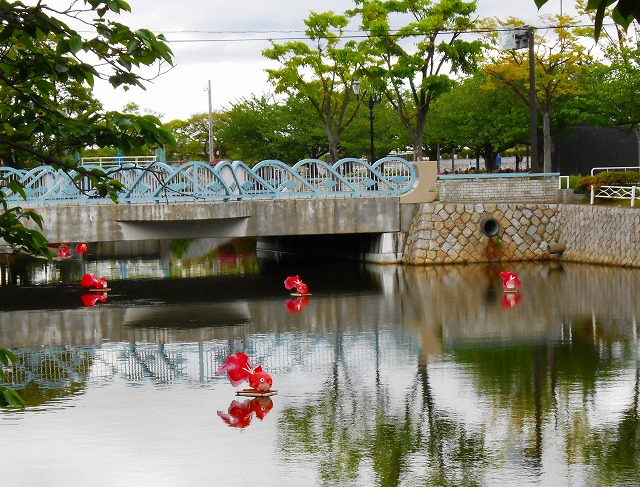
{"x":454,"y":455}
{"x":533,"y":384}
{"x":616,"y":450}
{"x":354,"y":427}
{"x":541,"y":399}
{"x":41,"y":376}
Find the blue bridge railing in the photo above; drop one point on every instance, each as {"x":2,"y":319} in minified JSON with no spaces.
{"x":225,"y":181}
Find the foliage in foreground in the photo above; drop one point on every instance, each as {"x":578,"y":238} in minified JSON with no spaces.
{"x":47,"y":115}
{"x":8,"y":397}
{"x":47,"y":69}
{"x":624,"y":12}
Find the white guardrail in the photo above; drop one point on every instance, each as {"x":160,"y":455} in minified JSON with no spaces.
{"x":117,"y":160}
{"x":563,"y":181}
{"x":615,"y":192}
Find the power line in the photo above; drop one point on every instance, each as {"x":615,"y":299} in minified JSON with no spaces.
{"x":351,"y":34}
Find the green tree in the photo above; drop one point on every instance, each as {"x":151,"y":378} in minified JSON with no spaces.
{"x":260,"y":128}
{"x":248,"y":129}
{"x":42,"y":54}
{"x":607,"y":89}
{"x":389,"y":133}
{"x":489,"y":121}
{"x":323,"y":74}
{"x":560,"y":57}
{"x":192,"y":137}
{"x":408,"y":64}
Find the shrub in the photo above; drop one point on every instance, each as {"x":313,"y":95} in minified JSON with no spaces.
{"x":580,"y":183}
{"x":616,"y":178}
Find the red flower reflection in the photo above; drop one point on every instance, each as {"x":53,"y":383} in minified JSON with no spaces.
{"x":296,"y":305}
{"x":510,"y":300}
{"x":240,"y":414}
{"x":91,"y":299}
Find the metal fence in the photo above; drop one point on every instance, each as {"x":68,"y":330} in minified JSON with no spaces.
{"x":630,"y":193}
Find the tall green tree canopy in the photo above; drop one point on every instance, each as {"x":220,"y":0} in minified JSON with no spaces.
{"x":560,"y":57}
{"x":260,"y":128}
{"x":488,"y":121}
{"x":410,"y":65}
{"x":322,"y":70}
{"x":192,"y":138}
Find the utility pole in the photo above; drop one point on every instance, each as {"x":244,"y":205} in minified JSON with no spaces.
{"x":533,"y":104}
{"x":521,"y":38}
{"x":211,"y":153}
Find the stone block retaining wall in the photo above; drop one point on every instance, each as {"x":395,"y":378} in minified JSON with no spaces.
{"x":600,"y":234}
{"x":453,"y":233}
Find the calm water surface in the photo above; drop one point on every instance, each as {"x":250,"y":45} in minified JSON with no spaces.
{"x":385,"y":375}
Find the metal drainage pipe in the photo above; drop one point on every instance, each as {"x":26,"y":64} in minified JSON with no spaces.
{"x":489,"y":226}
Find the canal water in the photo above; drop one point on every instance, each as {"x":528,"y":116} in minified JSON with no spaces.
{"x":385,"y":375}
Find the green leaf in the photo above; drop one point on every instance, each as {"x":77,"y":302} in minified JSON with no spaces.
{"x":6,"y":356}
{"x":12,"y":398}
{"x":16,"y":186}
{"x":76,"y":44}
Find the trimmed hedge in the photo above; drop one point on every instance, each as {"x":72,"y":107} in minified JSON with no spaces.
{"x":607,"y":178}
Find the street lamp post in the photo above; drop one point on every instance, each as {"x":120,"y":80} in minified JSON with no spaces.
{"x":373,"y":99}
{"x":211,"y":154}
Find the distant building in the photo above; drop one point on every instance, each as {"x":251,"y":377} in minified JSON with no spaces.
{"x":582,"y":147}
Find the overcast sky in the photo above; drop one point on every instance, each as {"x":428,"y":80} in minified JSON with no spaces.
{"x":222,"y":41}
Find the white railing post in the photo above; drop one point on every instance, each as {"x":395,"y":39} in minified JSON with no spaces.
{"x":633,"y":195}
{"x":563,"y":178}
{"x":592,"y":194}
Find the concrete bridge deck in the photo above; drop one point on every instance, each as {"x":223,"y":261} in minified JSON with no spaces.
{"x":247,"y":218}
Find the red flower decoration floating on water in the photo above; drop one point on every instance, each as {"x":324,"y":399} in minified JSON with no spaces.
{"x":81,"y":248}
{"x":63,"y":251}
{"x":239,"y":369}
{"x":91,"y":282}
{"x":292,"y":282}
{"x":510,"y":282}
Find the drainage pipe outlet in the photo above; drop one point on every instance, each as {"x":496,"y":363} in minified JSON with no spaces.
{"x":489,"y":226}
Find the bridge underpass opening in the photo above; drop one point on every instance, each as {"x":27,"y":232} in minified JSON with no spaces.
{"x":363,"y":247}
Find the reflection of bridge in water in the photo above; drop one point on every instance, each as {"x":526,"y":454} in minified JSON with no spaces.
{"x":418,"y":311}
{"x":196,"y":362}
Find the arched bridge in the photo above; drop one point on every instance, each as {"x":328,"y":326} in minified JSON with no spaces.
{"x":230,"y":199}
{"x":225,"y":181}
